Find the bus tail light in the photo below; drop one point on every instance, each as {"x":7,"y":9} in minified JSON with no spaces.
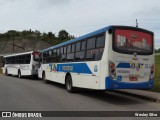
{"x":112,"y":70}
{"x":152,"y":73}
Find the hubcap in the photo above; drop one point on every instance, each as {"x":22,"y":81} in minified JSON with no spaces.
{"x":44,"y":77}
{"x":19,"y":74}
{"x":68,"y":85}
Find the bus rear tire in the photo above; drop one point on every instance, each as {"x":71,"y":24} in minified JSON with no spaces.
{"x":69,"y":84}
{"x":6,"y":72}
{"x":44,"y":78}
{"x":19,"y":74}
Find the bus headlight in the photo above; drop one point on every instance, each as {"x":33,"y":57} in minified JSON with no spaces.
{"x":112,"y":70}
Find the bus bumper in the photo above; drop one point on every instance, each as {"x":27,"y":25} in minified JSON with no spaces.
{"x":113,"y":84}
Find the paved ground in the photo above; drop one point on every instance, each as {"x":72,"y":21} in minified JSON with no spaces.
{"x":34,"y":95}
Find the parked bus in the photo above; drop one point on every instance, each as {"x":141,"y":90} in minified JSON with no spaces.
{"x":21,"y":64}
{"x":115,"y":57}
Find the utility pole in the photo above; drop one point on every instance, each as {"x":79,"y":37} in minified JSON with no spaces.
{"x":34,"y":40}
{"x":136,"y":23}
{"x":13,"y":43}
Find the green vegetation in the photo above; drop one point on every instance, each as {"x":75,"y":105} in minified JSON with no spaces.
{"x":156,"y":87}
{"x":157,"y":50}
{"x":49,"y":37}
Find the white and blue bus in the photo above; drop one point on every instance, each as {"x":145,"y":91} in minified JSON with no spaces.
{"x":115,"y":57}
{"x":21,"y":64}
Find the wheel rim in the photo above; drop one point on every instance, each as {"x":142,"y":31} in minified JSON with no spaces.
{"x":44,"y":77}
{"x":19,"y":74}
{"x":69,"y":85}
{"x":6,"y":72}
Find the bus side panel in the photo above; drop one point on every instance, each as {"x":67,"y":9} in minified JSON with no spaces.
{"x":25,"y":72}
{"x":76,"y":79}
{"x":12,"y":69}
{"x":47,"y":73}
{"x":91,"y":80}
{"x":60,"y":77}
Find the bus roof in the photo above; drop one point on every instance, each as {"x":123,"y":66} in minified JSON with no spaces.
{"x":79,"y":38}
{"x":15,"y":54}
{"x":92,"y":34}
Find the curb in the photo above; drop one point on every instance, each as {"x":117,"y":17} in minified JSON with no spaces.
{"x":157,"y":100}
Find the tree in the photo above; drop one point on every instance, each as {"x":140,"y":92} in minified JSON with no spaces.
{"x":38,"y":33}
{"x":63,"y":35}
{"x":157,"y":51}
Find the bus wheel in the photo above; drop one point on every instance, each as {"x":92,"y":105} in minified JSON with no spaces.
{"x":44,"y":78}
{"x":19,"y":74}
{"x":6,"y":72}
{"x":69,"y":84}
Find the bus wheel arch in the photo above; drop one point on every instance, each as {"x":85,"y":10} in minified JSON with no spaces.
{"x":69,"y":83}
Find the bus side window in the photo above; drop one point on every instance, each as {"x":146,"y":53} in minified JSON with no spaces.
{"x":6,"y":60}
{"x":100,"y":41}
{"x":91,"y":43}
{"x":50,"y":56}
{"x":80,"y":51}
{"x":28,"y":59}
{"x":70,"y":53}
{"x":98,"y":53}
{"x":78,"y":46}
{"x":90,"y":55}
{"x":95,"y":48}
{"x":79,"y":56}
{"x":19,"y":59}
{"x":3,"y":62}
{"x":54,"y":55}
{"x":69,"y":49}
{"x":83,"y":46}
{"x":58,"y":55}
{"x":63,"y":54}
{"x":44,"y":57}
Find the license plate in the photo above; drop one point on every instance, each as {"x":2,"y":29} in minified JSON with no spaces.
{"x":133,"y":78}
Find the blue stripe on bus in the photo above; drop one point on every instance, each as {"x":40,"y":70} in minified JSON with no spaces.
{"x":114,"y":84}
{"x":74,"y":67}
{"x":123,"y":65}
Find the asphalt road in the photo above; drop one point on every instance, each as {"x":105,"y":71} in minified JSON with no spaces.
{"x":34,"y":95}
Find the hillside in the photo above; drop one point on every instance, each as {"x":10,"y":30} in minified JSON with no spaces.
{"x":30,"y":40}
{"x":6,"y":46}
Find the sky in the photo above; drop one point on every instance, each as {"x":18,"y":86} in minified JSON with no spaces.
{"x":79,"y":17}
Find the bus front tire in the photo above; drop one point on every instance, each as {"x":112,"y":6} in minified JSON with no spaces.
{"x":19,"y":74}
{"x":44,"y":78}
{"x":6,"y":72}
{"x":69,"y":84}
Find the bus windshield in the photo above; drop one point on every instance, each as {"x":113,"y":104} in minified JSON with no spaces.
{"x":133,"y":41}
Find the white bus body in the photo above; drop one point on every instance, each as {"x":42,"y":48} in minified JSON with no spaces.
{"x":21,"y":64}
{"x":123,"y":62}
